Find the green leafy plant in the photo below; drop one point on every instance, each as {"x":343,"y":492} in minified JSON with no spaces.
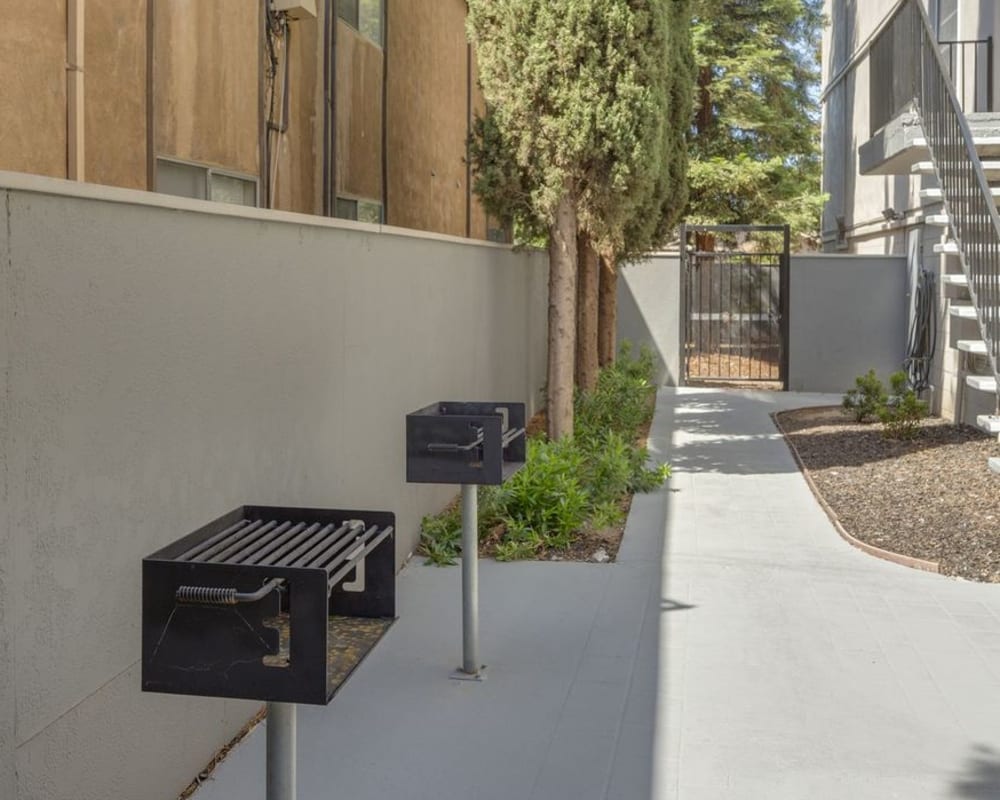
{"x":441,"y":538}
{"x":865,"y":400}
{"x":902,"y":411}
{"x":548,"y":496}
{"x":606,"y":515}
{"x":568,"y":485}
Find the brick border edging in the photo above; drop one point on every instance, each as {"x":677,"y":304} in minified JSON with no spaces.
{"x":870,"y":549}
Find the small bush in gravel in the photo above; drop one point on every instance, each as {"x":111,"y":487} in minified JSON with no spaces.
{"x":902,"y":412}
{"x":865,"y":401}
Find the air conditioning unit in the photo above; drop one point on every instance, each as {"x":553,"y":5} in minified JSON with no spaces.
{"x":295,"y":9}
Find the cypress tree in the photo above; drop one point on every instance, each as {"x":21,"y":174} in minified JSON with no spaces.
{"x":576,"y":139}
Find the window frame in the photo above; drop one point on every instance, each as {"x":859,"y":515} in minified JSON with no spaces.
{"x":209,"y":171}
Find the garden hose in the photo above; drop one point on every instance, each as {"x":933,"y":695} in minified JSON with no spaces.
{"x":923,"y":333}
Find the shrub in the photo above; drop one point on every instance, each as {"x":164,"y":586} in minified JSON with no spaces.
{"x":548,"y":497}
{"x":621,"y":401}
{"x":902,"y":412}
{"x":569,"y":484}
{"x":865,"y":400}
{"x":441,"y":537}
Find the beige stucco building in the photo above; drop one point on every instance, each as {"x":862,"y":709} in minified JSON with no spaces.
{"x":350,"y":108}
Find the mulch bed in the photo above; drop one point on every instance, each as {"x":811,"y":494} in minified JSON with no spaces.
{"x":932,"y":498}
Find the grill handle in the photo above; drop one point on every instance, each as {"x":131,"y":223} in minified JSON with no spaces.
{"x":448,"y":447}
{"x":213,"y":596}
{"x":510,"y":435}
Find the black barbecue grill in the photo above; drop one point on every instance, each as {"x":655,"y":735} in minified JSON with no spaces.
{"x":268,"y":603}
{"x":465,"y":443}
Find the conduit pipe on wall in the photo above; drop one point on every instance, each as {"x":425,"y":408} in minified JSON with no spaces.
{"x":75,"y":12}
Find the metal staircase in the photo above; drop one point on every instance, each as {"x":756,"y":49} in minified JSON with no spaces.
{"x":964,"y":202}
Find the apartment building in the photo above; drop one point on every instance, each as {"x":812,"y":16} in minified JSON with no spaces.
{"x":911,"y":139}
{"x":357,"y":109}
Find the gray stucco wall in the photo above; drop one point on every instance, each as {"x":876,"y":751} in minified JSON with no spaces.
{"x":650,"y":308}
{"x":168,"y":360}
{"x":848,"y":314}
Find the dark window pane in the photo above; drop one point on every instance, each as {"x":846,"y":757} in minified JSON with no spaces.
{"x":347,"y":209}
{"x":347,"y":10}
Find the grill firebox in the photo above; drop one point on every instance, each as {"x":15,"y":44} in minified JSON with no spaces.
{"x":268,"y":603}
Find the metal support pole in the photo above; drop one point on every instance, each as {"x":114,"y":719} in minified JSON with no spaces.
{"x":280,"y":751}
{"x":470,"y":580}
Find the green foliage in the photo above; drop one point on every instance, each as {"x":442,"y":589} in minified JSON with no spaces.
{"x":586,"y":97}
{"x":548,"y":496}
{"x":902,"y":412}
{"x":570,"y":484}
{"x":755,"y":154}
{"x":866,"y":398}
{"x":622,"y":400}
{"x":606,"y":515}
{"x":441,"y":538}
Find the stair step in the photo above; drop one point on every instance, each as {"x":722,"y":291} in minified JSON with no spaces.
{"x":946,"y":248}
{"x":994,"y":465}
{"x":990,"y":167}
{"x":992,"y":170}
{"x":938,"y":220}
{"x":974,"y":346}
{"x":936,"y":195}
{"x":988,"y":422}
{"x":954,"y":279}
{"x":963,"y":312}
{"x":981,"y":383}
{"x":987,"y":145}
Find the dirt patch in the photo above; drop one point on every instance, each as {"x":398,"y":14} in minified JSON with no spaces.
{"x":732,"y":366}
{"x":932,"y":498}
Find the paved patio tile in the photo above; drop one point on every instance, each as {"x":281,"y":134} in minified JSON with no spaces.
{"x":739,"y":649}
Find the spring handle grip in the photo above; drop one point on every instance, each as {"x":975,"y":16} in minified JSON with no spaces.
{"x":216,"y":596}
{"x":450,"y":447}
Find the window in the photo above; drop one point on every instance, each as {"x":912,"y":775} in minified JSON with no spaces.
{"x":365,"y":16}
{"x":947,"y":20}
{"x":185,"y":179}
{"x":359,"y":210}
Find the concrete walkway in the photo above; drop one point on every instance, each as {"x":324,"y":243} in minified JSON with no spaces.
{"x":737,"y":649}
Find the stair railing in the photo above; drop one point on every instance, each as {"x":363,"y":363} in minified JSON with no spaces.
{"x":965,"y":191}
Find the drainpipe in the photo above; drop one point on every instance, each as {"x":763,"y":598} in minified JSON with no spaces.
{"x":150,"y":103}
{"x":75,"y":12}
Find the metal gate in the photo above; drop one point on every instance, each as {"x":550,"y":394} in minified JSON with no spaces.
{"x":736,"y":303}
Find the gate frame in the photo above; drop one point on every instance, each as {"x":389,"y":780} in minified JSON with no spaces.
{"x":784,"y":292}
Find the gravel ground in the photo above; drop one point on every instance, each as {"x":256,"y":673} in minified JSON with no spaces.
{"x":932,"y":498}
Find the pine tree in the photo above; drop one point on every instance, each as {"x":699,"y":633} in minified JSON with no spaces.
{"x":755,"y":143}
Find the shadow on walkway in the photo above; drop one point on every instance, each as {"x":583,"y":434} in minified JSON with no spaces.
{"x":981,"y":775}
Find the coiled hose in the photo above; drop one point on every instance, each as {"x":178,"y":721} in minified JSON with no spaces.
{"x":212,"y":596}
{"x":922,"y":340}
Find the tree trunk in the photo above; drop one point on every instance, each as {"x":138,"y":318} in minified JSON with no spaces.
{"x":586,"y":314}
{"x":562,"y":318}
{"x":607,"y":315}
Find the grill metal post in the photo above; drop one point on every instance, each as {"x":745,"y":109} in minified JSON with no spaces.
{"x":470,"y":581}
{"x":281,"y":751}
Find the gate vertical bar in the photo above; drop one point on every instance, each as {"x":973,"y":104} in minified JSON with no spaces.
{"x":686,"y":311}
{"x":785,"y":284}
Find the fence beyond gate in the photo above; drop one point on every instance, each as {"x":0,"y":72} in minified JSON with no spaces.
{"x":736,"y":303}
